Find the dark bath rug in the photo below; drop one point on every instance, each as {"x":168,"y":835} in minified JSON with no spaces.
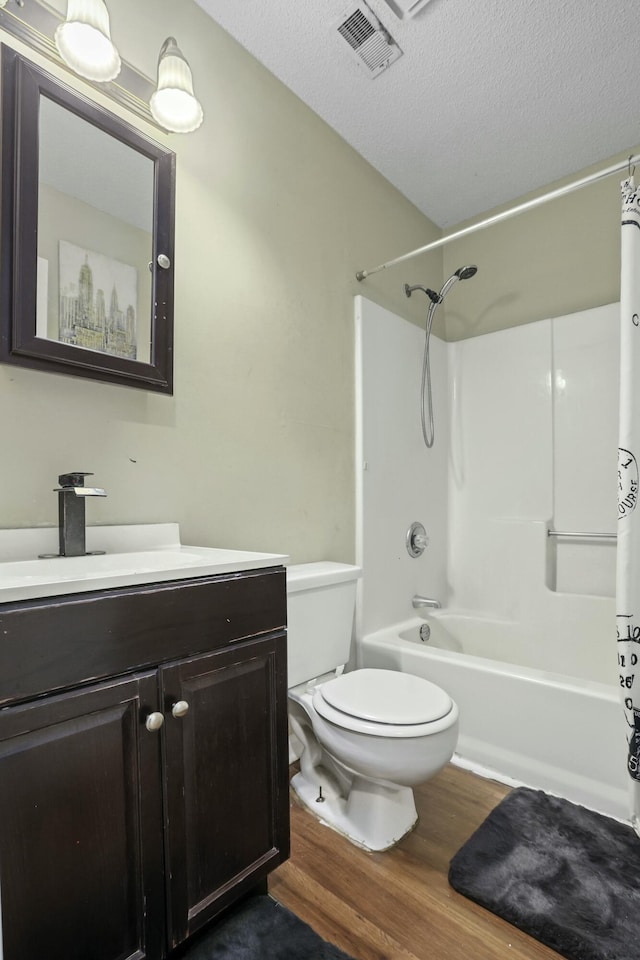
{"x":261,"y":929}
{"x":563,"y":874}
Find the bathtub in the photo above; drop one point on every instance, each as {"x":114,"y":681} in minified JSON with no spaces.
{"x":518,"y":723}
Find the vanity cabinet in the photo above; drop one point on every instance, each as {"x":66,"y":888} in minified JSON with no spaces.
{"x":226,"y":815}
{"x":143,"y":763}
{"x":81,"y":825}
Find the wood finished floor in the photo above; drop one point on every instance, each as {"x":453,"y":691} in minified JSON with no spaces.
{"x":398,"y":905}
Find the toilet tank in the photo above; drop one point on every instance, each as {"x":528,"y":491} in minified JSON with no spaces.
{"x":321,"y":600}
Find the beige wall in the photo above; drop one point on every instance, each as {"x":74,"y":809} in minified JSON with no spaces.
{"x":274,"y":216}
{"x":561,"y":257}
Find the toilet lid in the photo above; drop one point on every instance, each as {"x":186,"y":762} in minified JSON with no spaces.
{"x":386,"y":696}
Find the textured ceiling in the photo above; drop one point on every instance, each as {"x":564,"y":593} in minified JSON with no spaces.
{"x":491,"y":99}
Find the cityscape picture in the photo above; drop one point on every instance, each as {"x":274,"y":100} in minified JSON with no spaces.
{"x":98,"y":302}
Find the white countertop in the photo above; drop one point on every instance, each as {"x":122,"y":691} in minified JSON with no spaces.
{"x":135,"y":554}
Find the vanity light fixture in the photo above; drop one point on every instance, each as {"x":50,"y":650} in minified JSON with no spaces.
{"x":174,"y":105}
{"x":84,"y":41}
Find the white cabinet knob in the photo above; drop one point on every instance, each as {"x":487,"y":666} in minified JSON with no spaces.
{"x":154,"y":721}
{"x":179,"y":709}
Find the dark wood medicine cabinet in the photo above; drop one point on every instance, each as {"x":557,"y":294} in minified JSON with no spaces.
{"x":87,"y":236}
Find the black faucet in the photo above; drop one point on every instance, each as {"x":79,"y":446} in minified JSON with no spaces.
{"x":71,"y":512}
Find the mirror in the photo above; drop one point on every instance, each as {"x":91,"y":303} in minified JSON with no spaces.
{"x":87,"y":236}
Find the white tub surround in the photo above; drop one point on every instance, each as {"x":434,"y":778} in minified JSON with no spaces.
{"x":532,"y":442}
{"x":526,"y":638}
{"x":398,"y":480}
{"x":522,"y":446}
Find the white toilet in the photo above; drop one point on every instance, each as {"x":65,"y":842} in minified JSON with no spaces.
{"x":366,"y":737}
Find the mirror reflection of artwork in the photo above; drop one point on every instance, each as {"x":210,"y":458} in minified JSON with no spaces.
{"x":98,"y":298}
{"x":90,"y":207}
{"x":95,"y":193}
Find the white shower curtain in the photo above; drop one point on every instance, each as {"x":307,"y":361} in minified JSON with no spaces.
{"x":628,"y":553}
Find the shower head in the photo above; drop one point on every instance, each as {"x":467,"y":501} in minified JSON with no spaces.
{"x":465,"y":273}
{"x":462,"y":273}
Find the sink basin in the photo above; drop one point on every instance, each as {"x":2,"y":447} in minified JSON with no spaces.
{"x":137,"y":554}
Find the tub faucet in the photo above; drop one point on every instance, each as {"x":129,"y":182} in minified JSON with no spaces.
{"x":418,"y":601}
{"x":71,"y":512}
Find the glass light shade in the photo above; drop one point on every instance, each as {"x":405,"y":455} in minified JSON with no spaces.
{"x":84,"y":41}
{"x":174,"y":105}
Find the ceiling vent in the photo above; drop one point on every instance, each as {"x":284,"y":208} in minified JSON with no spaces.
{"x":405,"y":9}
{"x":370,"y":43}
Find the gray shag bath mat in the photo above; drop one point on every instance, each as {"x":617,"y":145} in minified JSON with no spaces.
{"x":261,"y":929}
{"x":563,"y":874}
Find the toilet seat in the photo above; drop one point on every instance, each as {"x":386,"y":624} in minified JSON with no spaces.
{"x":385,"y":703}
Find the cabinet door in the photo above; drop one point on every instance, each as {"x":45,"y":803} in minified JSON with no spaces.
{"x":227,"y":784}
{"x":81,"y":840}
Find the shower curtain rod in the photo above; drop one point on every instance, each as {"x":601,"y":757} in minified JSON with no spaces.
{"x":506,"y":214}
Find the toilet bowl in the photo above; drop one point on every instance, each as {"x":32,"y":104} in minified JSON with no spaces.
{"x":365,"y":737}
{"x":356,"y":771}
